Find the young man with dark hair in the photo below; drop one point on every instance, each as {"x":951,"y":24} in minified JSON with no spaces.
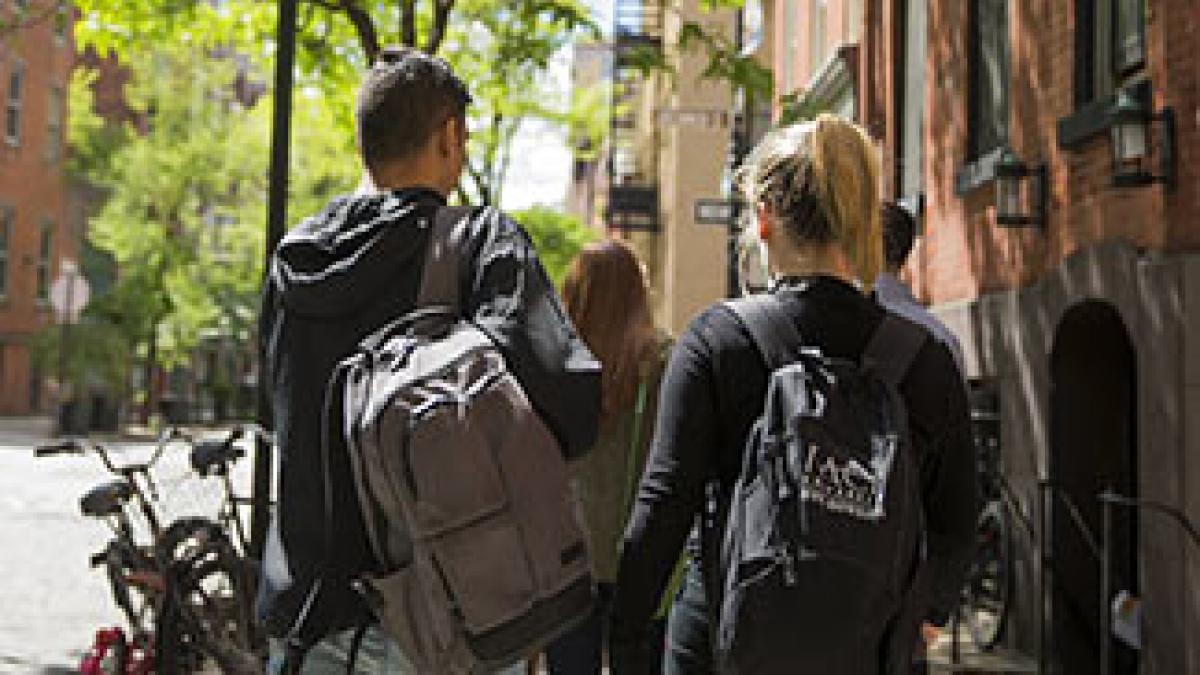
{"x":344,"y":273}
{"x":899,"y":232}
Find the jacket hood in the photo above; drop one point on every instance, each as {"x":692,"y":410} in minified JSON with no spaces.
{"x":335,"y":261}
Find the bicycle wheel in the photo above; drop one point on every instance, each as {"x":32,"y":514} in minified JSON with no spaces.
{"x":987,"y":593}
{"x":205,"y":619}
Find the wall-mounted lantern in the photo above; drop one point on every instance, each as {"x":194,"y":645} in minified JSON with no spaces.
{"x":1132,"y":130}
{"x":1011,"y":173}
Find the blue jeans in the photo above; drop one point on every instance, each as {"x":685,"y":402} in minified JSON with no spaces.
{"x":580,"y":651}
{"x":689,"y":646}
{"x":377,"y":655}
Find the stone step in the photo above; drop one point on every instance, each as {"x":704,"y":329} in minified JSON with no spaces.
{"x":973,"y":661}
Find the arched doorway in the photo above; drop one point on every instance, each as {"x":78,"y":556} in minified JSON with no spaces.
{"x":1093,"y":406}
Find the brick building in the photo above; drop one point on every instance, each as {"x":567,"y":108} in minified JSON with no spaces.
{"x":38,"y":230}
{"x":1081,"y":327}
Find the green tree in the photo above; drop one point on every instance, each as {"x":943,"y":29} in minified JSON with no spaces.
{"x":182,"y":217}
{"x":183,"y":195}
{"x":556,"y":236}
{"x":501,"y":48}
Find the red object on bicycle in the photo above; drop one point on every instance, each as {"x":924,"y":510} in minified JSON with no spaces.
{"x":107,"y":655}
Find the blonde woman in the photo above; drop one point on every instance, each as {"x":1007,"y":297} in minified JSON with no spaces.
{"x":814,"y":190}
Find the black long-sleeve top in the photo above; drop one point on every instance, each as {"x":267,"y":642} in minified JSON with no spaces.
{"x":713,"y":391}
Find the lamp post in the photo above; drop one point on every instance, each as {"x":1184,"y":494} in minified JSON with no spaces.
{"x":276,"y":224}
{"x":1131,"y":128}
{"x":1011,"y":173}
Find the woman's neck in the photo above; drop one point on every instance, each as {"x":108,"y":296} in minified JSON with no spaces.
{"x":811,"y":262}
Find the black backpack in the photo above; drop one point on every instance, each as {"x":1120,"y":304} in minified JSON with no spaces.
{"x":825,"y":519}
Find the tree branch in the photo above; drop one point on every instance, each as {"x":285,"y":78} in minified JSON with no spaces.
{"x":408,"y":23}
{"x":364,"y":26}
{"x":441,"y":16}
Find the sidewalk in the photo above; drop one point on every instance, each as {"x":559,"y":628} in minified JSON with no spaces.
{"x":30,"y":430}
{"x":22,"y":430}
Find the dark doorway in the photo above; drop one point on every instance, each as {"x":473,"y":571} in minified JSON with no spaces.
{"x":1093,"y":447}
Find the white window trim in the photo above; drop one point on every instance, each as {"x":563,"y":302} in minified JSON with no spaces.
{"x":18,"y":104}
{"x":45,"y":261}
{"x":54,"y":123}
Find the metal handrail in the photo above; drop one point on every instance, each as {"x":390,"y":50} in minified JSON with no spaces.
{"x":1108,"y":499}
{"x":1011,"y":497}
{"x":1189,"y":528}
{"x":1046,"y":561}
{"x":1089,"y":537}
{"x":1099,"y":549}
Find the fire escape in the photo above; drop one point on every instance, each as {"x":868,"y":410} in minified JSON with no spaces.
{"x":633,"y":158}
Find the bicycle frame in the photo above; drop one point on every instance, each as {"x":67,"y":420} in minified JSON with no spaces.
{"x":128,"y":562}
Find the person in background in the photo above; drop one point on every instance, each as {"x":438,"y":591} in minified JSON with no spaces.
{"x":814,"y":187}
{"x":899,"y":232}
{"x":606,"y":299}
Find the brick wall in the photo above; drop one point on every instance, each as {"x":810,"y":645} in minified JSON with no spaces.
{"x":964,"y":254}
{"x":35,"y":187}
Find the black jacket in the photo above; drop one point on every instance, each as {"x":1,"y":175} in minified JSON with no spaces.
{"x":334,"y":279}
{"x":712,"y":393}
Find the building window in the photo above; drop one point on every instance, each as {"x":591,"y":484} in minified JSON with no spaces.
{"x":1130,"y":48}
{"x":43,"y":264}
{"x":12,"y":116}
{"x":54,"y":124}
{"x":817,"y":12}
{"x":787,"y":57}
{"x":988,"y":87}
{"x":6,"y":219}
{"x":912,"y":41}
{"x":61,"y":19}
{"x":854,"y":19}
{"x":1109,"y":44}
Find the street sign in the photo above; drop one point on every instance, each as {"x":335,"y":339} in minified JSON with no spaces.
{"x":69,"y":292}
{"x":709,"y":118}
{"x":633,"y":207}
{"x":713,"y":211}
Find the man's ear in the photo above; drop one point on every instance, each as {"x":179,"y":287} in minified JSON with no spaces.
{"x":447,"y":137}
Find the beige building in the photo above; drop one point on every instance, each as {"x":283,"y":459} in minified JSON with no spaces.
{"x":668,"y":147}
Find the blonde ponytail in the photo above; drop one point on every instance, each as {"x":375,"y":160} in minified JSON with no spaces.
{"x":821,"y":180}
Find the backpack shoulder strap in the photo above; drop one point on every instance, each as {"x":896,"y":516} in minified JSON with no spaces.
{"x":893,"y":348}
{"x":775,"y":336}
{"x":440,"y":279}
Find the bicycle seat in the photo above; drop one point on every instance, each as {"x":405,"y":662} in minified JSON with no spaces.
{"x":214,"y":456}
{"x":106,"y":499}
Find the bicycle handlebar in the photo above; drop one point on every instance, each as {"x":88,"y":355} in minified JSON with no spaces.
{"x":163,"y":440}
{"x":79,"y":446}
{"x":68,"y":447}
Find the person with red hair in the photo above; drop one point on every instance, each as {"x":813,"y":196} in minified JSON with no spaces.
{"x":606,"y":297}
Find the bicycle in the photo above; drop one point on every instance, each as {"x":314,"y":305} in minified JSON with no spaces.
{"x":211,"y":579}
{"x":986,"y":597}
{"x":129,"y":558}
